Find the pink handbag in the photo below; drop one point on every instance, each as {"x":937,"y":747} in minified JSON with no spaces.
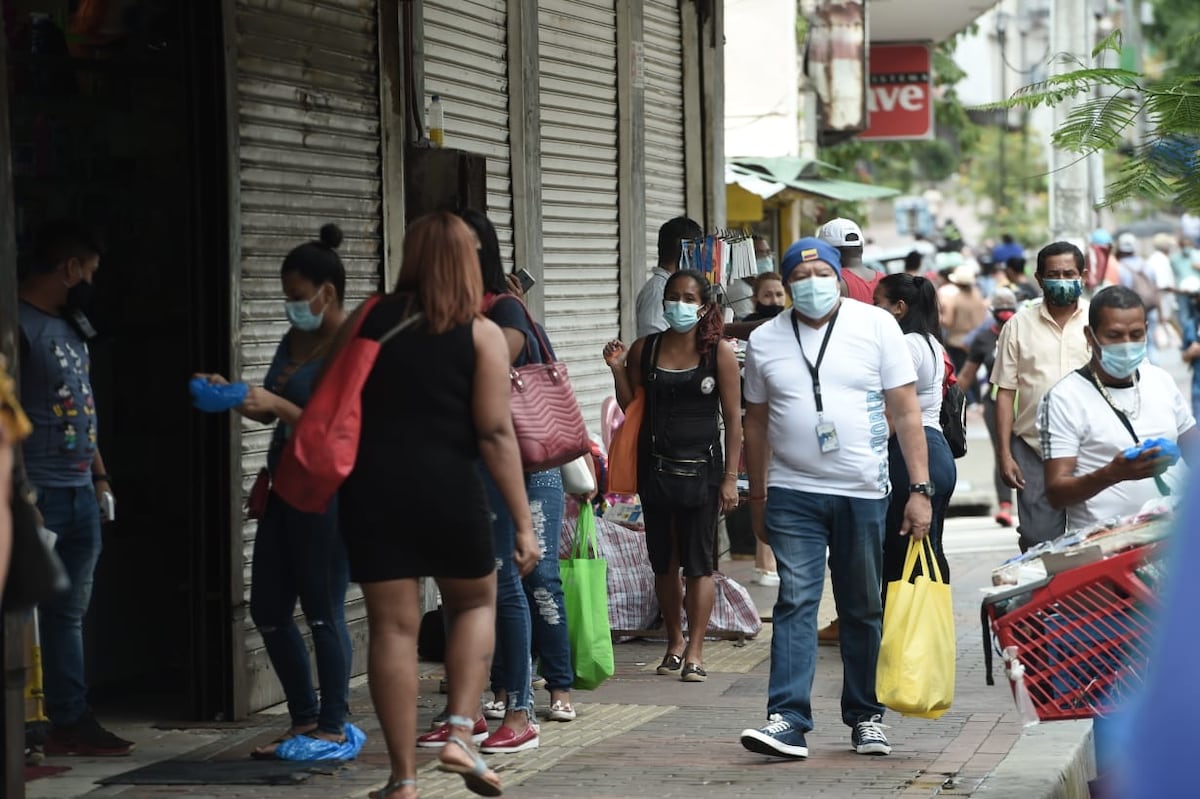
{"x":546,"y":416}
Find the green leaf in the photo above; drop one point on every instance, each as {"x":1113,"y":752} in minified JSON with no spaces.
{"x":1110,"y":43}
{"x":1097,"y":124}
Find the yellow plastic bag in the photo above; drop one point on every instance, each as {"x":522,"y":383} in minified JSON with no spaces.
{"x":915,"y":675}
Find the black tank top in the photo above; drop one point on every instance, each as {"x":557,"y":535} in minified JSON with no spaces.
{"x":683,"y":407}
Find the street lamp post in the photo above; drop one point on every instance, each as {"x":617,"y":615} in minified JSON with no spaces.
{"x":1001,"y":41}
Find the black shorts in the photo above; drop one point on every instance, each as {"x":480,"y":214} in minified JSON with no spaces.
{"x":695,"y":535}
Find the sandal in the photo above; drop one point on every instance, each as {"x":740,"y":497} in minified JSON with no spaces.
{"x":496,"y":709}
{"x":670,"y":663}
{"x":390,"y":788}
{"x":693,"y":672}
{"x":562,"y":711}
{"x":267,"y":751}
{"x":473,"y":775}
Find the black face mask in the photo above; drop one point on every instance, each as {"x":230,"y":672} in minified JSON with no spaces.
{"x":79,"y":296}
{"x":79,"y":301}
{"x":767,"y":310}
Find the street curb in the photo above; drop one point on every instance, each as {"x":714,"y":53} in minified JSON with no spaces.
{"x":1052,"y":760}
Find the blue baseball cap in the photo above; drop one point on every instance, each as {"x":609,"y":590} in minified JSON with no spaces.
{"x":1101,"y":237}
{"x":810,"y":249}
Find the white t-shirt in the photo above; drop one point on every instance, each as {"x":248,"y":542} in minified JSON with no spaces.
{"x":931,"y":373}
{"x":1075,"y":421}
{"x":865,"y":357}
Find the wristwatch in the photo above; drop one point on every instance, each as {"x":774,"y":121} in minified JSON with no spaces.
{"x":925,"y":488}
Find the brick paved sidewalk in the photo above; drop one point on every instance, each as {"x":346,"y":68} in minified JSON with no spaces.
{"x":642,"y":735}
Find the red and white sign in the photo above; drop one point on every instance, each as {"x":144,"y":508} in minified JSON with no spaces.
{"x":900,"y":96}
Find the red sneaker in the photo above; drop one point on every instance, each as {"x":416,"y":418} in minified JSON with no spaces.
{"x":436,"y":739}
{"x":506,"y":740}
{"x":86,"y":738}
{"x":1003,"y":516}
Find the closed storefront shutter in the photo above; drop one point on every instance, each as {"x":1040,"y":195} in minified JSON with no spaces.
{"x":665,"y":191}
{"x":466,"y":64}
{"x":309,"y":152}
{"x":578,"y":64}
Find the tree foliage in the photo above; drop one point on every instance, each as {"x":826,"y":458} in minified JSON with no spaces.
{"x":1161,"y":166}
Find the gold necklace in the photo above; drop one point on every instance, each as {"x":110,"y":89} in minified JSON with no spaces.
{"x":1137,"y":395}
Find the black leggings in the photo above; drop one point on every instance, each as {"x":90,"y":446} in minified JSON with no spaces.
{"x":944,"y":474}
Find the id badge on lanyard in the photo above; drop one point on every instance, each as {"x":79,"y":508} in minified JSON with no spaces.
{"x":827,"y":437}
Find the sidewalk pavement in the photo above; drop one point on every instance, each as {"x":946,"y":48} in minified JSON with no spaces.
{"x":642,"y":735}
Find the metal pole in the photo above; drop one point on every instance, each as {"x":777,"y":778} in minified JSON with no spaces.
{"x":1069,"y":212}
{"x":1002,"y":36}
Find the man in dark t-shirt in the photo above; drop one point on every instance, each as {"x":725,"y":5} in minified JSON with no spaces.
{"x":62,"y":458}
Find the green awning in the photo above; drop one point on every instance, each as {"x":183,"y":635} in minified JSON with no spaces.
{"x":802,"y":175}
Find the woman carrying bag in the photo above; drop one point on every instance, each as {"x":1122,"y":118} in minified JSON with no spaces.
{"x":690,"y":376}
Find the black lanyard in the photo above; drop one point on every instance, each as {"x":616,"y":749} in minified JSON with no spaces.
{"x":813,"y":368}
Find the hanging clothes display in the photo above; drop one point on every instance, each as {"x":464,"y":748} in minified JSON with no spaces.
{"x":721,"y":257}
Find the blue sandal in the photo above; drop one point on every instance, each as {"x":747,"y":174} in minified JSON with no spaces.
{"x":473,"y":775}
{"x":390,"y":788}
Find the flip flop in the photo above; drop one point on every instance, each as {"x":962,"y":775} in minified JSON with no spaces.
{"x":473,"y":775}
{"x":267,"y":751}
{"x":390,"y":788}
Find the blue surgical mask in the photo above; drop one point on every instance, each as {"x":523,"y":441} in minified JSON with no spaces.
{"x":1062,"y":292}
{"x":1122,"y":360}
{"x":766,"y":264}
{"x":814,"y":297}
{"x":681,"y":316}
{"x":300,"y":314}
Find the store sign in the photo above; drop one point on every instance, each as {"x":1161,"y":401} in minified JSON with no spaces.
{"x":900,"y":92}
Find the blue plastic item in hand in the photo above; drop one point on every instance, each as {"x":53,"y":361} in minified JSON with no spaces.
{"x":305,"y":747}
{"x":1167,"y":449}
{"x":216,"y":397}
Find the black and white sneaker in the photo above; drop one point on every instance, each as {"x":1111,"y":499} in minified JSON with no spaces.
{"x":780,"y":738}
{"x":868,"y":737}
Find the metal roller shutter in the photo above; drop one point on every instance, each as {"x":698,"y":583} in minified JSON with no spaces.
{"x":578,"y":62}
{"x":309,"y":153}
{"x":665,"y":190}
{"x":466,"y":49}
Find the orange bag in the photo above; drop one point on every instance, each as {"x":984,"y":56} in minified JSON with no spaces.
{"x":622,"y":452}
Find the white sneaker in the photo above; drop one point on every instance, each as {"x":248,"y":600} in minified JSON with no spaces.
{"x":764,"y":577}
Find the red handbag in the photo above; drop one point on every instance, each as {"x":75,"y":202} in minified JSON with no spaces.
{"x":260,"y":493}
{"x":546,"y":416}
{"x":323,"y":446}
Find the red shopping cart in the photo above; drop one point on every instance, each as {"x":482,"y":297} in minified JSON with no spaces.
{"x":1082,"y":635}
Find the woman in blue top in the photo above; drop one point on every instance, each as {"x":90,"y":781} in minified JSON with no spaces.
{"x":300,"y":555}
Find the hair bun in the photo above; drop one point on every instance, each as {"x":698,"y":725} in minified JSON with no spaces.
{"x":331,"y":235}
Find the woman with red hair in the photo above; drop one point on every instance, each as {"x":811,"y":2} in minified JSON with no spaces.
{"x":690,"y":376}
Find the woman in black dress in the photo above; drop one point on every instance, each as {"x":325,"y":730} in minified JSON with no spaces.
{"x":691,"y":378}
{"x":435,"y":402}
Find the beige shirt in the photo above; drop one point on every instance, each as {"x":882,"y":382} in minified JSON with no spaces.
{"x":1033,"y":354}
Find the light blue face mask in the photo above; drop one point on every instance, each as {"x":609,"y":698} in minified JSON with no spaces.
{"x":814,"y":297}
{"x":299,"y":313}
{"x":681,"y":316}
{"x":1122,"y":360}
{"x":766,"y":264}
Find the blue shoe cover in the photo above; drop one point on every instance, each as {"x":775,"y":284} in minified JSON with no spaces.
{"x":216,"y":398}
{"x":304,"y":747}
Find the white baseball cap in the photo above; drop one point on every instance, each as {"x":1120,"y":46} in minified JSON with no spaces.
{"x":1127,"y":242}
{"x":841,"y":233}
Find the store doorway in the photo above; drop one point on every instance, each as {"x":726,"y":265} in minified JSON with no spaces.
{"x":117,"y":119}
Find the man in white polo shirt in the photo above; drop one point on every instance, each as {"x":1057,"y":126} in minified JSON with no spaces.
{"x":1094,"y":414}
{"x":1040,"y":344}
{"x":820,"y":383}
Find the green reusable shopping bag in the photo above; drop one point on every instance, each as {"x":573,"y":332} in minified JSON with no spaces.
{"x":585,"y":593}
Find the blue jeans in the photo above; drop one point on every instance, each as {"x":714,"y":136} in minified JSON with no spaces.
{"x":944,"y":475}
{"x":800,"y":526}
{"x":74,"y":515}
{"x":511,"y":666}
{"x":301,"y":556}
{"x":543,"y":586}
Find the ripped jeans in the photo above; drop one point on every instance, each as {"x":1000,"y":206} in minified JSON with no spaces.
{"x":301,"y":556}
{"x":518,"y":631}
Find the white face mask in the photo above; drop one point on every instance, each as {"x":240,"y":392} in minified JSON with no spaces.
{"x":815,"y":296}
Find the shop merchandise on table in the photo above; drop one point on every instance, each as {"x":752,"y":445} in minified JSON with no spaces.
{"x":1072,"y":618}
